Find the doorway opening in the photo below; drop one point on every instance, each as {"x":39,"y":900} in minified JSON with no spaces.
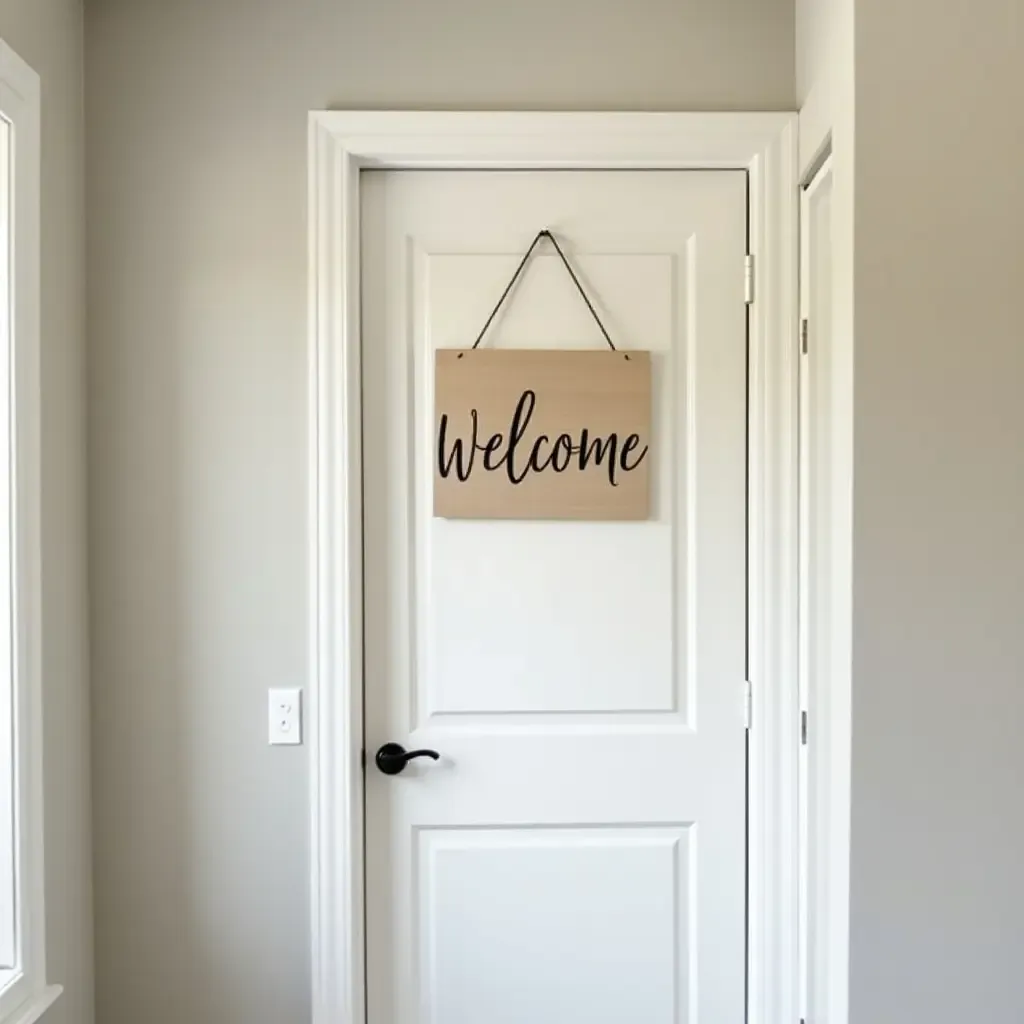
{"x":344,"y":144}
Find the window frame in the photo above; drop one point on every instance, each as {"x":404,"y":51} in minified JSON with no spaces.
{"x":24,"y":994}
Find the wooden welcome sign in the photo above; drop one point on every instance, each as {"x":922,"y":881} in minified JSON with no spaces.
{"x":542,"y":434}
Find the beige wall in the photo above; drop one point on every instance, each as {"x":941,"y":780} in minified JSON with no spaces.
{"x":48,"y":34}
{"x":937,"y":912}
{"x":197,"y":288}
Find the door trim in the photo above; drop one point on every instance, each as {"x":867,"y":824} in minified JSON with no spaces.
{"x":340,"y":144}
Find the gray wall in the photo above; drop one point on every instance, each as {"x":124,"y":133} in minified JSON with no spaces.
{"x":937,"y":913}
{"x":196,"y":163}
{"x":48,"y":34}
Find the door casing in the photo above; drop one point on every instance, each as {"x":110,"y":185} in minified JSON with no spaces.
{"x":341,"y":143}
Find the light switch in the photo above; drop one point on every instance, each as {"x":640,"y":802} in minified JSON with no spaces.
{"x":285,"y":722}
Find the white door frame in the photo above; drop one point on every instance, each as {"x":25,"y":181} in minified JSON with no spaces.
{"x":340,"y":144}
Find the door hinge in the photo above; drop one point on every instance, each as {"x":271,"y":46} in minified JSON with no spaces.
{"x":748,"y":705}
{"x":362,"y":759}
{"x":803,"y":728}
{"x":803,"y":336}
{"x":748,"y":279}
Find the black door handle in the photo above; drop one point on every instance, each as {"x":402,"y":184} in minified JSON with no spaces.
{"x":393,"y":757}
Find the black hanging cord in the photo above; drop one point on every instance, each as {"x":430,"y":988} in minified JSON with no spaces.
{"x":515,"y":277}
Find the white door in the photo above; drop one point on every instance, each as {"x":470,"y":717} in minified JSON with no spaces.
{"x":578,"y":852}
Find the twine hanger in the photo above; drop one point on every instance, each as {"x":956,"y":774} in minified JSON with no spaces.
{"x":544,"y":233}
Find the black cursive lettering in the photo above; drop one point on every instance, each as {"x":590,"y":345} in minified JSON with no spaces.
{"x":535,"y":462}
{"x":493,"y":444}
{"x":629,"y":444}
{"x":520,"y":421}
{"x":508,"y":450}
{"x":588,"y":449}
{"x":563,"y":445}
{"x":463,"y":464}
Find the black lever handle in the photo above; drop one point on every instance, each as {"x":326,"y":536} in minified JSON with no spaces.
{"x":393,"y":757}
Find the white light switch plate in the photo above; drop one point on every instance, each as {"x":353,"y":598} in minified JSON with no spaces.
{"x":285,"y":721}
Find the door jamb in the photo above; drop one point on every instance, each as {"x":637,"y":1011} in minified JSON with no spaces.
{"x":341,"y":143}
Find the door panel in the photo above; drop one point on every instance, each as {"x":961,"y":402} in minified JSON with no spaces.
{"x":606,"y":927}
{"x":579,"y":849}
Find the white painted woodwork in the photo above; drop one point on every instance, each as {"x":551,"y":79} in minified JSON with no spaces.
{"x":23,"y":988}
{"x":579,"y":852}
{"x":824,"y":618}
{"x":341,"y":143}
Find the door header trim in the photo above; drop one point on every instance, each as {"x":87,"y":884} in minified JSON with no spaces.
{"x":341,"y":143}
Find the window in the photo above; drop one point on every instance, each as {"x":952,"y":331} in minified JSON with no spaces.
{"x":23,"y":992}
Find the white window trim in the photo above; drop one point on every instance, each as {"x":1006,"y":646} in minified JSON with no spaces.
{"x":26,"y":994}
{"x":340,"y":144}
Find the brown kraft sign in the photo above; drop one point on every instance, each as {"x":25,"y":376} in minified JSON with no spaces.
{"x":542,"y":434}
